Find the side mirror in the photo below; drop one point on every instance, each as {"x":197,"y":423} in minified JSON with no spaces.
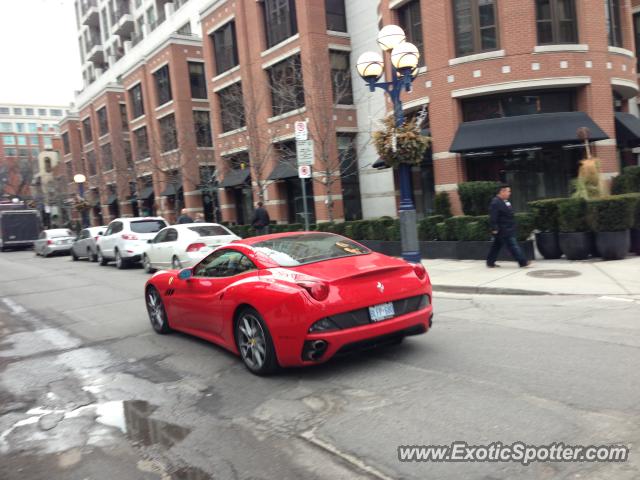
{"x":185,"y":274}
{"x":150,"y":241}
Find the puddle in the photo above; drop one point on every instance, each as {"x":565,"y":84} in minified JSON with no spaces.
{"x":131,"y":417}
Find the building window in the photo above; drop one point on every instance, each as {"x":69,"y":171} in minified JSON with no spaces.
{"x":127,"y":153}
{"x":231,"y":107}
{"x":225,"y":48}
{"x":341,"y":78}
{"x":56,"y":112}
{"x":35,"y":152}
{"x":135,"y":97}
{"x":107,"y":158}
{"x":23,"y":152}
{"x":34,"y":140}
{"x":4,"y":110}
{"x":163,"y":85}
{"x":103,"y":124}
{"x":65,"y":143}
{"x":349,"y":177}
{"x":6,"y":127}
{"x":20,"y":127}
{"x":10,"y":152}
{"x":197,"y":80}
{"x":517,"y":103}
{"x":476,"y":26}
{"x":287,"y":90}
{"x":9,"y":140}
{"x":280,"y":20}
{"x":202,"y":125}
{"x":410,"y":19}
{"x":47,"y":142}
{"x":29,"y":111}
{"x":32,"y":128}
{"x":614,"y":27}
{"x":556,"y":21}
{"x":141,"y":143}
{"x":91,"y":163}
{"x":123,"y":116}
{"x":336,"y":15}
{"x":636,"y":33}
{"x":22,"y":140}
{"x":168,"y":133}
{"x":17,"y":111}
{"x":42,"y":112}
{"x":86,"y":130}
{"x":69,"y":169}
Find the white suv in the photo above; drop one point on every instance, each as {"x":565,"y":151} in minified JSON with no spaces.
{"x":126,"y":238}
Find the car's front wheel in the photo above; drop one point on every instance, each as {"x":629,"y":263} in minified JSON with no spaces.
{"x":255,"y":344}
{"x":146,"y":264}
{"x":157,"y":313}
{"x":74,"y":257}
{"x":101,"y":260}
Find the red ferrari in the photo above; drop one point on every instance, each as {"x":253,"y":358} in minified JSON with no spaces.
{"x":293,"y":299}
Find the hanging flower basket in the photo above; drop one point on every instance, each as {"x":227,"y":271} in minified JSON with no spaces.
{"x":404,"y":144}
{"x":81,"y":204}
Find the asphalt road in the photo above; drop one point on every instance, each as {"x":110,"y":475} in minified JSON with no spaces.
{"x":88,"y":391}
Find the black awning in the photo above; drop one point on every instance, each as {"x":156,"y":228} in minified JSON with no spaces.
{"x":170,"y":191}
{"x":113,"y":198}
{"x":627,"y":130}
{"x":524,"y":131}
{"x":146,"y":194}
{"x":283,"y":170}
{"x":235,"y":178}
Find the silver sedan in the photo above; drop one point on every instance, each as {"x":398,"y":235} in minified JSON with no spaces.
{"x":57,"y":240}
{"x":85,"y":244}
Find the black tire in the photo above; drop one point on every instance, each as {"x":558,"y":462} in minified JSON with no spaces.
{"x":175,"y":263}
{"x":146,"y":264}
{"x":74,"y":257}
{"x":156,"y":311}
{"x":259,"y":361}
{"x":121,"y":263}
{"x":92,"y":257}
{"x":103,"y":261}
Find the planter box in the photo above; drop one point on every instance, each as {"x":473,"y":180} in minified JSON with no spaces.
{"x":635,"y":240}
{"x":613,"y":245}
{"x":548,"y":245}
{"x":475,"y":250}
{"x":391,"y":248}
{"x":577,"y":245}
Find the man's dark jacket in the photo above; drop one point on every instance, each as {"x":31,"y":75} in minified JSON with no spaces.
{"x":260,"y":218}
{"x":185,"y":219}
{"x":501,"y":218}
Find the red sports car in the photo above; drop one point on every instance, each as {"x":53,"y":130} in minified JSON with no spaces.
{"x":293,"y":299}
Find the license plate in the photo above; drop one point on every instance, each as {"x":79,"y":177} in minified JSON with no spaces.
{"x":381,"y":312}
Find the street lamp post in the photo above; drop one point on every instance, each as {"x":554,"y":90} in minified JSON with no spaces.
{"x":80,"y":179}
{"x":404,"y":60}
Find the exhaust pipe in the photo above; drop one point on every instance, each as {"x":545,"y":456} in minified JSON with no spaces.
{"x":314,"y":349}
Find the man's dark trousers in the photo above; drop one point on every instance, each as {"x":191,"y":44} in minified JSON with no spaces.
{"x":511,"y":243}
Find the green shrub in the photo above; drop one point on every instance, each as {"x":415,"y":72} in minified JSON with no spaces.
{"x":377,"y":229}
{"x":442,"y":204}
{"x":427,"y":227}
{"x":296,"y":227}
{"x":572,"y":215}
{"x":634,"y":200}
{"x":393,"y":231}
{"x":627,"y":182}
{"x":484,"y":221}
{"x":456,"y":226}
{"x":348,"y":231}
{"x":545,"y":214}
{"x":525,"y":225}
{"x":339,"y":228}
{"x":611,"y":214}
{"x":619,"y":184}
{"x":387,"y":221}
{"x":442,"y":231}
{"x":476,"y":231}
{"x":476,"y":196}
{"x":324,"y":226}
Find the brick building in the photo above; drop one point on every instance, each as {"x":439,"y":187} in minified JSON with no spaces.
{"x":508,"y":83}
{"x":192,"y":103}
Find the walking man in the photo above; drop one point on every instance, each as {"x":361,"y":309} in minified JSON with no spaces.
{"x":261,"y":220}
{"x":503,"y":228}
{"x":184,"y":217}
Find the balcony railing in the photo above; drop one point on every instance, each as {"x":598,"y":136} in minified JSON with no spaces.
{"x":85,"y":5}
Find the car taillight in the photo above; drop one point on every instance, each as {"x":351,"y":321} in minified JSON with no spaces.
{"x":195,"y":247}
{"x":49,"y":242}
{"x":317,"y":290}
{"x":420,"y":271}
{"x":129,"y":236}
{"x":97,"y":237}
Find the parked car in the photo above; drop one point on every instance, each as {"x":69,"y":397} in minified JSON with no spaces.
{"x":184,"y":245}
{"x":85,"y":244}
{"x":56,"y":240}
{"x":293,"y":299}
{"x":126,"y":239}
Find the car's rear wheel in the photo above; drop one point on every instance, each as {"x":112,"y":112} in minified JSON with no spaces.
{"x":92,"y":257}
{"x":103,"y":261}
{"x":74,"y":257}
{"x":175,"y":263}
{"x":157,"y":313}
{"x":254,"y":343}
{"x":121,"y":263}
{"x":146,"y":264}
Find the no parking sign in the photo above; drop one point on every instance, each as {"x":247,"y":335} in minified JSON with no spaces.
{"x":304,"y":171}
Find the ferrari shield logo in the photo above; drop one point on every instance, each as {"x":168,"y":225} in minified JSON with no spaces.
{"x":380,"y":287}
{"x":170,"y":280}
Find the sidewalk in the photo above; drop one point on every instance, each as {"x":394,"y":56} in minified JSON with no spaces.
{"x":543,"y":277}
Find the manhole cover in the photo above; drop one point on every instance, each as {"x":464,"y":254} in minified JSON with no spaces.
{"x":553,"y":273}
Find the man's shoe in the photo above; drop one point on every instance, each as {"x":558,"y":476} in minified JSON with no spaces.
{"x":526,"y":265}
{"x":493,"y":266}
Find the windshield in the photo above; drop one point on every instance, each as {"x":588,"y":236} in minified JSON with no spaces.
{"x":210,"y":230}
{"x":147,"y":226}
{"x":61,"y":233}
{"x":301,"y":249}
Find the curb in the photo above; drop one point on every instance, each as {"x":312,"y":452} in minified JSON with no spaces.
{"x":486,"y":290}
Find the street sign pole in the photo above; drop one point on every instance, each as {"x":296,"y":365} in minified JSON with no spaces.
{"x":304,"y":204}
{"x":304,"y":153}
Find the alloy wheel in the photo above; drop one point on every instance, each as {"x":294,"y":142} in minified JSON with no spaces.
{"x":252,"y":341}
{"x":156,"y":311}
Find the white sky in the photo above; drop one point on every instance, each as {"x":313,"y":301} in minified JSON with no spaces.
{"x":40,"y":60}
